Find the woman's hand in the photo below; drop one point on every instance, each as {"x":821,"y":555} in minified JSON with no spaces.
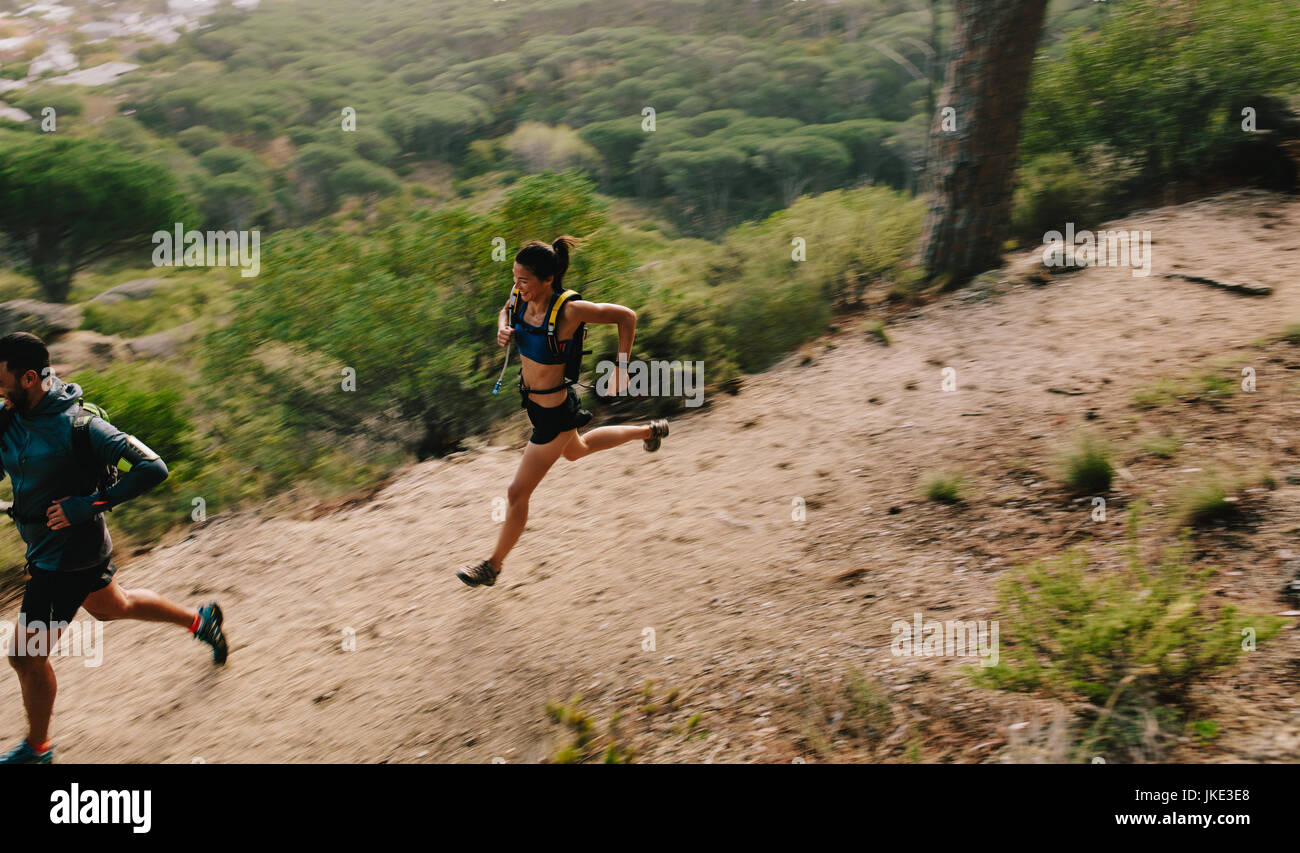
{"x":504,"y":334}
{"x":618,"y":380}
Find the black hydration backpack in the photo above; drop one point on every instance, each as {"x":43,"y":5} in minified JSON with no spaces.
{"x":92,"y":475}
{"x":99,"y":475}
{"x":573,"y":362}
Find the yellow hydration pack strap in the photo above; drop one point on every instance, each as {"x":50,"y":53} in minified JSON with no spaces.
{"x":554,"y":317}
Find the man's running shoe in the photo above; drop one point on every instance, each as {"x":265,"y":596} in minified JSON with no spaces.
{"x":210,"y":631}
{"x":658,"y":430}
{"x":481,"y":575}
{"x":24,"y":754}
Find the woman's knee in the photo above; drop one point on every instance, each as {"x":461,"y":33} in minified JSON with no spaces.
{"x":517,"y":495}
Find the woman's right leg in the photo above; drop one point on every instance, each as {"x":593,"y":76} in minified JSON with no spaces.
{"x":603,"y":438}
{"x":538,"y":459}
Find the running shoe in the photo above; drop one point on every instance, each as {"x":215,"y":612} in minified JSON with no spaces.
{"x":24,"y":754}
{"x":481,"y":575}
{"x":210,"y":631}
{"x":658,"y":430}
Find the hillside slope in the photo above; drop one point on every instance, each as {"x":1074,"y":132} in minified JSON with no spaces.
{"x":755,"y":616}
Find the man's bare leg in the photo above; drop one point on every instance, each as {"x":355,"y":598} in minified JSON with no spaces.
{"x":35,"y":677}
{"x":112,"y":602}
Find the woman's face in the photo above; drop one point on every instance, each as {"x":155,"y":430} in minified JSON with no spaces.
{"x":530,"y":287}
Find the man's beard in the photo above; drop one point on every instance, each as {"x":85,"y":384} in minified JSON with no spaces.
{"x":21,"y":399}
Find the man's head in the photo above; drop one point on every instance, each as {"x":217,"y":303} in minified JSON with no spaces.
{"x":24,"y":369}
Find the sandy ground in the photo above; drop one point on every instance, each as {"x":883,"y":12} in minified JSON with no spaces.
{"x":757,"y":618}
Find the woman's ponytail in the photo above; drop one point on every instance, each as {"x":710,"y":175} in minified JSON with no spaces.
{"x":561,"y":247}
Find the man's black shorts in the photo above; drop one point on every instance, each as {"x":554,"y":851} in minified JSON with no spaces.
{"x":52,"y":597}
{"x":550,"y":422}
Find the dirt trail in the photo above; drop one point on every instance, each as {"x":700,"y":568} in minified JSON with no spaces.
{"x":697,"y":543}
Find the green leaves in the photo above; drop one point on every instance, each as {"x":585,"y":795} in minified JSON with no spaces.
{"x":1131,"y":642}
{"x":66,"y":202}
{"x":410,"y":308}
{"x":1158,"y":84}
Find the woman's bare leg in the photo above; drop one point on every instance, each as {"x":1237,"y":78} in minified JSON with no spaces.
{"x":538,"y":459}
{"x":603,"y":438}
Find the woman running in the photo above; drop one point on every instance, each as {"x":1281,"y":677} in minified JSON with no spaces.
{"x":550,"y":399}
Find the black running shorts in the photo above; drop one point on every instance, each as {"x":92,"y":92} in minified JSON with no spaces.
{"x":548,"y":423}
{"x":53,"y":597}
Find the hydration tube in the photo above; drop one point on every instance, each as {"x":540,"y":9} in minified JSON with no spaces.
{"x":497,"y":387}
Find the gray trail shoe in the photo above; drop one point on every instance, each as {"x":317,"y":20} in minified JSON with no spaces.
{"x":659,"y":430}
{"x":481,"y":575}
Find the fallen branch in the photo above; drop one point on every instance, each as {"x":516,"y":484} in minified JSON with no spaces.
{"x":1243,"y":289}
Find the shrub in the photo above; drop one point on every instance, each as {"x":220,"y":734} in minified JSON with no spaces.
{"x":1052,"y":190}
{"x":587,"y":743}
{"x":1088,"y":469}
{"x":1206,"y":501}
{"x":1129,"y":644}
{"x":944,"y":487}
{"x":143,"y":400}
{"x":1161,"y":446}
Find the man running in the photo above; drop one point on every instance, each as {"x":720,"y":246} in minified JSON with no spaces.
{"x":57,"y":509}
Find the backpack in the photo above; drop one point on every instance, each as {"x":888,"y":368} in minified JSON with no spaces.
{"x":95,"y":475}
{"x":573,"y":362}
{"x":103,"y":475}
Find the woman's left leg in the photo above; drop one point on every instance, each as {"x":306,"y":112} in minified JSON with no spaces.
{"x":603,"y":438}
{"x":538,"y":459}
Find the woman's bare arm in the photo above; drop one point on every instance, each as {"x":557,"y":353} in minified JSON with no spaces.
{"x":610,"y":314}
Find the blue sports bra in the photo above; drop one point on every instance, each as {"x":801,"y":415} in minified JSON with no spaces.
{"x":531,"y":341}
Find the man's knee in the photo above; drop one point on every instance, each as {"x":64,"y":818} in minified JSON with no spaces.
{"x":28,"y":656}
{"x":110,"y":611}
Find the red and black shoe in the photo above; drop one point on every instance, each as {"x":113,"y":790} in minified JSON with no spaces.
{"x":210,"y":632}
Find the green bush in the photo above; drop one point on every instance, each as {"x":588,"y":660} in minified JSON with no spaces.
{"x":1088,"y":468}
{"x":1051,"y":190}
{"x":1208,"y":500}
{"x":1130,"y":643}
{"x":1160,"y":446}
{"x":1161,"y":86}
{"x":876,"y":329}
{"x":411,"y":308}
{"x":199,"y":139}
{"x":64,"y":100}
{"x":586,"y":743}
{"x":144,"y":400}
{"x":944,"y":487}
{"x":1210,"y":387}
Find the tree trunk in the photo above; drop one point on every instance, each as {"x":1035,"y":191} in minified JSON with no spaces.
{"x":971,"y":168}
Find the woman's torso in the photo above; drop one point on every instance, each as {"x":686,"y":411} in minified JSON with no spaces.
{"x":537,"y":374}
